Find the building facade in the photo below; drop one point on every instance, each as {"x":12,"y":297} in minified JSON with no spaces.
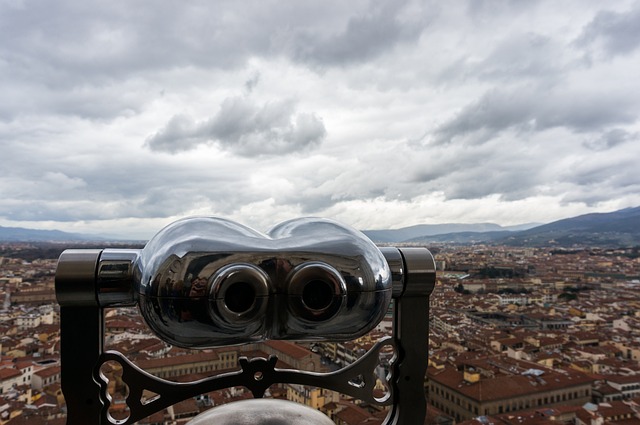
{"x":465,"y":392}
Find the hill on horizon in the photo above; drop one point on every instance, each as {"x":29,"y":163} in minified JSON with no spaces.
{"x":411,"y":233}
{"x":614,"y":229}
{"x":617,"y":228}
{"x":20,"y":234}
{"x":621,"y":228}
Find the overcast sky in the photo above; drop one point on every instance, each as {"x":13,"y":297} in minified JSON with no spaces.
{"x":119,"y":117}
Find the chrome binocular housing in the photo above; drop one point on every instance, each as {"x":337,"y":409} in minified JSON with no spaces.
{"x":205,"y":282}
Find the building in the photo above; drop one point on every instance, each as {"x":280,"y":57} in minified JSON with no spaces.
{"x":9,"y":378}
{"x":205,"y":362}
{"x":628,"y":386}
{"x":28,"y":321}
{"x":44,"y":377}
{"x":311,"y":396}
{"x":496,"y":385}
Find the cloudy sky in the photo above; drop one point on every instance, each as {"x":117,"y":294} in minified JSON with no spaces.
{"x":120,"y":117}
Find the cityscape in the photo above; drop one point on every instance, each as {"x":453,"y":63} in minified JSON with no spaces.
{"x":518,"y":335}
{"x":503,"y":136}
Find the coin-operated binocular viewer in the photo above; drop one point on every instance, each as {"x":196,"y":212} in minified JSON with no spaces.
{"x":208,"y":282}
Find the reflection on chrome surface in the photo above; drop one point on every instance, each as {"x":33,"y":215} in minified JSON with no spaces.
{"x":206,"y":282}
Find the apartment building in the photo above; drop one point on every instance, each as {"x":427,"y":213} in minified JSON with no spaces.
{"x":499,"y":385}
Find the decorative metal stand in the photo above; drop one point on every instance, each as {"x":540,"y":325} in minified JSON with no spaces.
{"x":87,"y":281}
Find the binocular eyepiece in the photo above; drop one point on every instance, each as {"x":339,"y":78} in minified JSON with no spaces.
{"x":206,"y":282}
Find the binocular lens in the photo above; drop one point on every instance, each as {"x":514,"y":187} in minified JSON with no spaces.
{"x":239,"y":297}
{"x":317,"y":294}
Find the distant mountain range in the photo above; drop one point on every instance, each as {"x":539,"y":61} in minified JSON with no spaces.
{"x":408,"y":234}
{"x":614,"y":229}
{"x":19,"y":234}
{"x":618,"y":228}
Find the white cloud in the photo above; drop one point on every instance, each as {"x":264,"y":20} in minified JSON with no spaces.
{"x":382,"y":114}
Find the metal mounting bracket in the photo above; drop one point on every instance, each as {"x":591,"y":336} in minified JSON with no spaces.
{"x":82,"y":351}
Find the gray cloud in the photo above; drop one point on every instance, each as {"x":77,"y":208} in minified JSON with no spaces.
{"x":121,"y":39}
{"x":532,"y":108}
{"x":601,"y":179}
{"x":252,"y":82}
{"x":243,"y":128}
{"x":483,"y":9}
{"x":368,"y":34}
{"x":512,"y":171}
{"x":617,"y":32}
{"x":610,"y":139}
{"x":479,"y":182}
{"x":66,"y":58}
{"x":89,"y":102}
{"x":120,"y":186}
{"x":521,"y":56}
{"x":118,"y":39}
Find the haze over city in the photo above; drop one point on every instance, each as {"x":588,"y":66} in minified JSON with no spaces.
{"x":118,"y":118}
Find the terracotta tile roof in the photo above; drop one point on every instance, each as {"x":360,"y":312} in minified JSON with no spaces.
{"x":505,"y":386}
{"x":288,"y":348}
{"x":47,"y":372}
{"x":8,"y":373}
{"x":615,"y":408}
{"x":352,"y":414}
{"x":178,"y":360}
